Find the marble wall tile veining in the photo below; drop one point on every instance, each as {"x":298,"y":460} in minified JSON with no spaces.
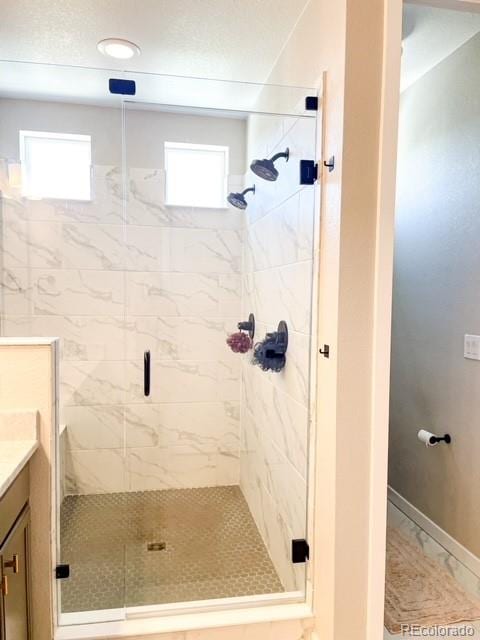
{"x":183,"y":250}
{"x":283,"y":236}
{"x":284,"y":293}
{"x":182,"y":294}
{"x":203,"y":427}
{"x":205,"y":250}
{"x":280,"y":415}
{"x":94,"y":426}
{"x":178,"y":338}
{"x":184,"y":381}
{"x":16,"y":291}
{"x":95,"y":471}
{"x":77,"y":292}
{"x":92,"y":383}
{"x":93,"y":246}
{"x":179,"y":467}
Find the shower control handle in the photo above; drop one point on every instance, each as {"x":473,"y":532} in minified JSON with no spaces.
{"x":146,"y":373}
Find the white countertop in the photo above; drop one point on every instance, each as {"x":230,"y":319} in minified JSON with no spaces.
{"x":14,"y":455}
{"x":18,"y":442}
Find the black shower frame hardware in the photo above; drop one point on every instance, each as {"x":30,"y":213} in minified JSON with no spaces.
{"x":122,"y":87}
{"x":447,"y":438}
{"x":62,"y":571}
{"x":146,"y":373}
{"x":308,"y":172}
{"x":300,"y":551}
{"x":248,"y":325}
{"x":311,"y":103}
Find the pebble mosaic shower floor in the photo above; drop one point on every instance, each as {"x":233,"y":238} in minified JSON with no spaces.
{"x":156,"y":547}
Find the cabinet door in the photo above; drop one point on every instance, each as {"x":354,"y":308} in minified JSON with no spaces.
{"x":15,"y":577}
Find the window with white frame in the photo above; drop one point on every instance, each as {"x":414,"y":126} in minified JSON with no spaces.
{"x":196,"y":175}
{"x":56,"y":165}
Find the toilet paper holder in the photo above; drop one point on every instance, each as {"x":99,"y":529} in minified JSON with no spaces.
{"x":436,"y":439}
{"x":431,"y":439}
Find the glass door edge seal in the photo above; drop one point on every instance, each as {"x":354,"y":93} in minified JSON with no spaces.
{"x":134,"y":627}
{"x":218,"y":604}
{"x":180,"y":608}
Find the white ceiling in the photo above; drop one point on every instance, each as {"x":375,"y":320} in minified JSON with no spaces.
{"x":431,"y":35}
{"x":226,"y":39}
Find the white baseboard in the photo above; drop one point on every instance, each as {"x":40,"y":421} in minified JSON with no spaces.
{"x":444,"y":539}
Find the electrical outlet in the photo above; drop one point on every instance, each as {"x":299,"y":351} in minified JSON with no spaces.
{"x":471,"y":347}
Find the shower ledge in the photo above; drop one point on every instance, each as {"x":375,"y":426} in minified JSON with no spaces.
{"x":18,"y":442}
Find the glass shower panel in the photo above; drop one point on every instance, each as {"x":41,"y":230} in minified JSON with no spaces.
{"x":62,"y":274}
{"x":217,"y":451}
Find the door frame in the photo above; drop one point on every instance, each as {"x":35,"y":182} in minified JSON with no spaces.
{"x":383,"y":299}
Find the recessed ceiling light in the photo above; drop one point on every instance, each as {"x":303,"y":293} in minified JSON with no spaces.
{"x":118,"y":48}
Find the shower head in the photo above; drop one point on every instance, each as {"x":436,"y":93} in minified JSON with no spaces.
{"x":266,"y":168}
{"x":238,"y":199}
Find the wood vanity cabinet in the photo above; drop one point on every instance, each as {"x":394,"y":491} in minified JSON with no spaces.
{"x":14,"y":561}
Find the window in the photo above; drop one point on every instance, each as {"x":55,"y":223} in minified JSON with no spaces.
{"x":55,"y":165}
{"x":196,"y":175}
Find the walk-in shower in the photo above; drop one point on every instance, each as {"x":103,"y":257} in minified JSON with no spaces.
{"x":196,"y":490}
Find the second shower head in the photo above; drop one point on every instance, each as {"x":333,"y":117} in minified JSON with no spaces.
{"x":266,"y":168}
{"x":238,"y":199}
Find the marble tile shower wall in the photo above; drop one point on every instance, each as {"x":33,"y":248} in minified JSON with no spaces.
{"x":168,"y":281}
{"x":278,"y":286}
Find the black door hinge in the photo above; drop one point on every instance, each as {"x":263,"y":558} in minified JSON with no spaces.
{"x":300,"y":551}
{"x":311,"y":103}
{"x":62,"y":571}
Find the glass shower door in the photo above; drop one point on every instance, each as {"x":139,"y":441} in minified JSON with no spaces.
{"x":216,"y":452}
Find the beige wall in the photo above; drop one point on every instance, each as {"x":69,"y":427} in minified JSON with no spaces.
{"x":437,"y":263}
{"x":27,"y":381}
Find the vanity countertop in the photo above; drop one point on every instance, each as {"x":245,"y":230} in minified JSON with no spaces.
{"x":18,"y":442}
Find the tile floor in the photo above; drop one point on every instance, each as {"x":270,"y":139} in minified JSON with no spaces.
{"x":469,"y":581}
{"x":206,"y":545}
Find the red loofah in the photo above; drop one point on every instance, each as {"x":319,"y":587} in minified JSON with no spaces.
{"x":239,"y":342}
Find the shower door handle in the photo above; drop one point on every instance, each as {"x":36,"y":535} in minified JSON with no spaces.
{"x":146,"y":373}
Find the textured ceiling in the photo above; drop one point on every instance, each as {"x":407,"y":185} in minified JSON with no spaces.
{"x":430,"y":35}
{"x":227,"y":39}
